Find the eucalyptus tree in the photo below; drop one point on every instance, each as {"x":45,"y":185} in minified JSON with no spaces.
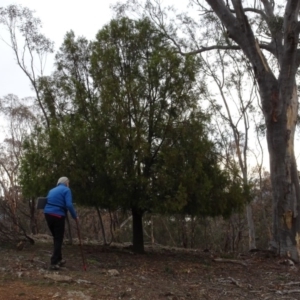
{"x":278,"y":93}
{"x":29,"y":46}
{"x":19,"y":120}
{"x":233,"y":115}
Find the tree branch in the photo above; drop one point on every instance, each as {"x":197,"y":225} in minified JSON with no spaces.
{"x":204,"y":49}
{"x":257,"y":11}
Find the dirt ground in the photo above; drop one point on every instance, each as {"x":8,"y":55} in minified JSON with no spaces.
{"x":114,"y":272}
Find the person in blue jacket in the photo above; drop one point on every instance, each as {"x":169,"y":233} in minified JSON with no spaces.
{"x":59,"y":202}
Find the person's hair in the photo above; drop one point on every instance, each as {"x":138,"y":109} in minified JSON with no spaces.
{"x":63,"y":180}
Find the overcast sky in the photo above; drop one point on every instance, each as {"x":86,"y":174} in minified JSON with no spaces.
{"x":85,"y":18}
{"x":57,"y":16}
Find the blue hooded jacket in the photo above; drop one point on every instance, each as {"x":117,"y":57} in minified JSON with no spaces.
{"x":59,"y":200}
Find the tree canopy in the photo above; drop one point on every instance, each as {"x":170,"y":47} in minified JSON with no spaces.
{"x":127,"y":128}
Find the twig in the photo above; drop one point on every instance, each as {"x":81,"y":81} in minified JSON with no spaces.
{"x":39,"y":261}
{"x":292,"y":283}
{"x":283,"y":292}
{"x":235,"y":282}
{"x":232,"y":261}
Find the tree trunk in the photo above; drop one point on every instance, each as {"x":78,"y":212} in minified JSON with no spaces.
{"x":193,"y":231}
{"x":101,"y":225}
{"x":152,"y":230}
{"x":111,"y":228}
{"x":184,"y":234}
{"x":284,"y":177}
{"x":33,"y":221}
{"x":168,"y":230}
{"x":69,"y":230}
{"x":137,"y":231}
{"x":251,"y":229}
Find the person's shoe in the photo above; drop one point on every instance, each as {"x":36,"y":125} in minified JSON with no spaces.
{"x":62,"y":263}
{"x":54,"y":267}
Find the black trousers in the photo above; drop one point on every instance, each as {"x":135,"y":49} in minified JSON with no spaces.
{"x":57,"y":228}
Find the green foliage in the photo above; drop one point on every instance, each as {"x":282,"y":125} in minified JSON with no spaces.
{"x":194,"y":175}
{"x":126,"y":127}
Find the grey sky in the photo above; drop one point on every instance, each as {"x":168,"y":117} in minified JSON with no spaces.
{"x":85,"y":18}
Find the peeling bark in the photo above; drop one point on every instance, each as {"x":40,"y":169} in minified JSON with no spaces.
{"x":284,"y":178}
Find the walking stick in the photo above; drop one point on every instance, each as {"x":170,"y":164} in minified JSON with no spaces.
{"x":80,"y":244}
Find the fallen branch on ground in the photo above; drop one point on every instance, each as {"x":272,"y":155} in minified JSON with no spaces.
{"x":232,"y":261}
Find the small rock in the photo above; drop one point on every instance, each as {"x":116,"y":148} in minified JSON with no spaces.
{"x":56,"y":295}
{"x":78,"y":295}
{"x":113,"y":272}
{"x":57,"y":277}
{"x":79,"y":281}
{"x":41,"y":271}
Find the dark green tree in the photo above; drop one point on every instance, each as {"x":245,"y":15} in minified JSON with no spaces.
{"x":151,"y":116}
{"x":127,"y":129}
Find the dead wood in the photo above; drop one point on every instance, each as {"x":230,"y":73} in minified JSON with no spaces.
{"x":232,"y":261}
